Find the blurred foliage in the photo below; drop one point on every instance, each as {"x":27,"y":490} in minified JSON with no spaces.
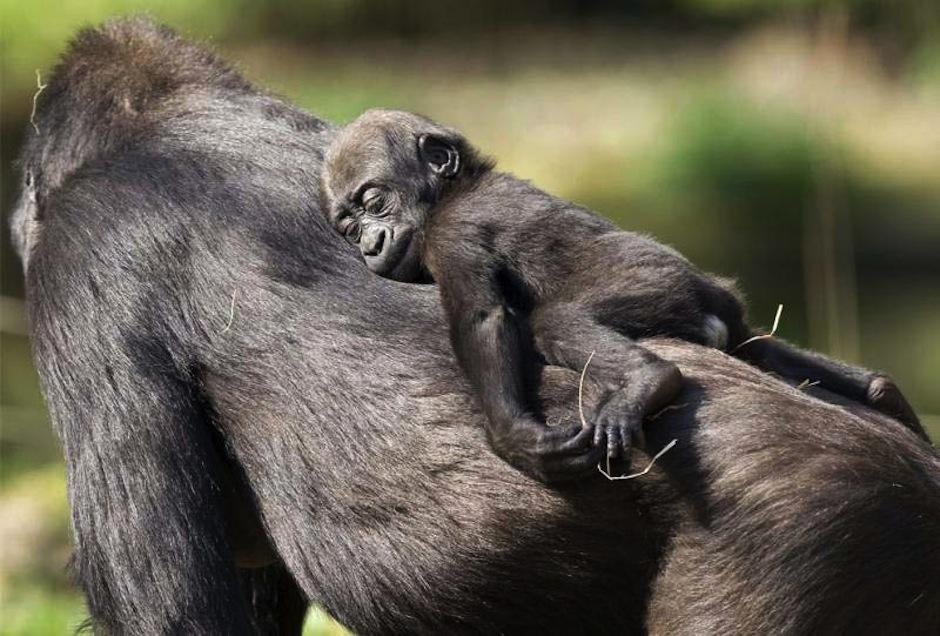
{"x":36,"y":598}
{"x":924,"y":69}
{"x":728,"y":128}
{"x":748,"y":159}
{"x":34,"y":32}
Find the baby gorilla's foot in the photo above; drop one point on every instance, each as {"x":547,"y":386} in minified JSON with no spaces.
{"x":884,"y":395}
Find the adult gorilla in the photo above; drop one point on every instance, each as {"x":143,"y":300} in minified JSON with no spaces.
{"x":212,"y":356}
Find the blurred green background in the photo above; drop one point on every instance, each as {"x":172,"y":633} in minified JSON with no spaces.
{"x":793,"y":144}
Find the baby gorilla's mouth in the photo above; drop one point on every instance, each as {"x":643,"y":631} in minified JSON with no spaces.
{"x":388,"y":251}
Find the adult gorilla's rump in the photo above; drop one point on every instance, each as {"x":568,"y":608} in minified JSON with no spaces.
{"x":213,"y":357}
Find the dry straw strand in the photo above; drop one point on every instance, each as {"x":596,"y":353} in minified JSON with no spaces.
{"x":231,"y":312}
{"x":665,"y":449}
{"x":581,"y":391}
{"x":773,"y":330}
{"x":39,"y":88}
{"x":671,"y":407}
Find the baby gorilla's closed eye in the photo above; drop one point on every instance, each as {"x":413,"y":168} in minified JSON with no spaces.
{"x":351,"y":230}
{"x":373,"y":202}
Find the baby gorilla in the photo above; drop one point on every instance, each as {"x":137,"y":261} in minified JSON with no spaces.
{"x":518,"y":268}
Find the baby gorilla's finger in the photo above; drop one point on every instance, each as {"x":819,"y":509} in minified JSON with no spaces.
{"x":613,"y":440}
{"x":565,"y":440}
{"x":599,"y":434}
{"x":575,"y":438}
{"x":627,"y":437}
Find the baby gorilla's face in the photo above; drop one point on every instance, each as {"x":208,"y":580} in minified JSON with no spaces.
{"x":382,"y":177}
{"x":384,"y":225}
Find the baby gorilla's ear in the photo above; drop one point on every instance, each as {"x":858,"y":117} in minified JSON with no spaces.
{"x":440,"y":155}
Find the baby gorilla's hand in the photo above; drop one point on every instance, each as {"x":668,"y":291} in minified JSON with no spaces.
{"x":618,"y":425}
{"x":620,"y":410}
{"x":549,"y":454}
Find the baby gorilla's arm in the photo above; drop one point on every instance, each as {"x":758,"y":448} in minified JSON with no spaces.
{"x":488,"y":342}
{"x":625,"y":382}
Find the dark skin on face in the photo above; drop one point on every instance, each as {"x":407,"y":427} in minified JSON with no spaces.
{"x":421,"y":205}
{"x":388,"y":244}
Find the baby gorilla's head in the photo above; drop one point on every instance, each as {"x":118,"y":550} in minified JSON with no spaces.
{"x":383,"y":175}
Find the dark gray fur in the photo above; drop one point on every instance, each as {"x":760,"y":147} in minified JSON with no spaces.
{"x":522,"y":272}
{"x":161,"y":186}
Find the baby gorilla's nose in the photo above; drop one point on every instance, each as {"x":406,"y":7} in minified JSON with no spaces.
{"x":373,"y":240}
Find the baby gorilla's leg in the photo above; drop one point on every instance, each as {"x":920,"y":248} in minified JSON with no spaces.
{"x":623,"y":383}
{"x":874,"y":389}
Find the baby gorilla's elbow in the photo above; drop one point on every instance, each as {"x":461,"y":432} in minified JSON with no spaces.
{"x":490,"y":319}
{"x":493,"y":327}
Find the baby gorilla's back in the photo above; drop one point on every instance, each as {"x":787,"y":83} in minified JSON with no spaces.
{"x":642,"y":288}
